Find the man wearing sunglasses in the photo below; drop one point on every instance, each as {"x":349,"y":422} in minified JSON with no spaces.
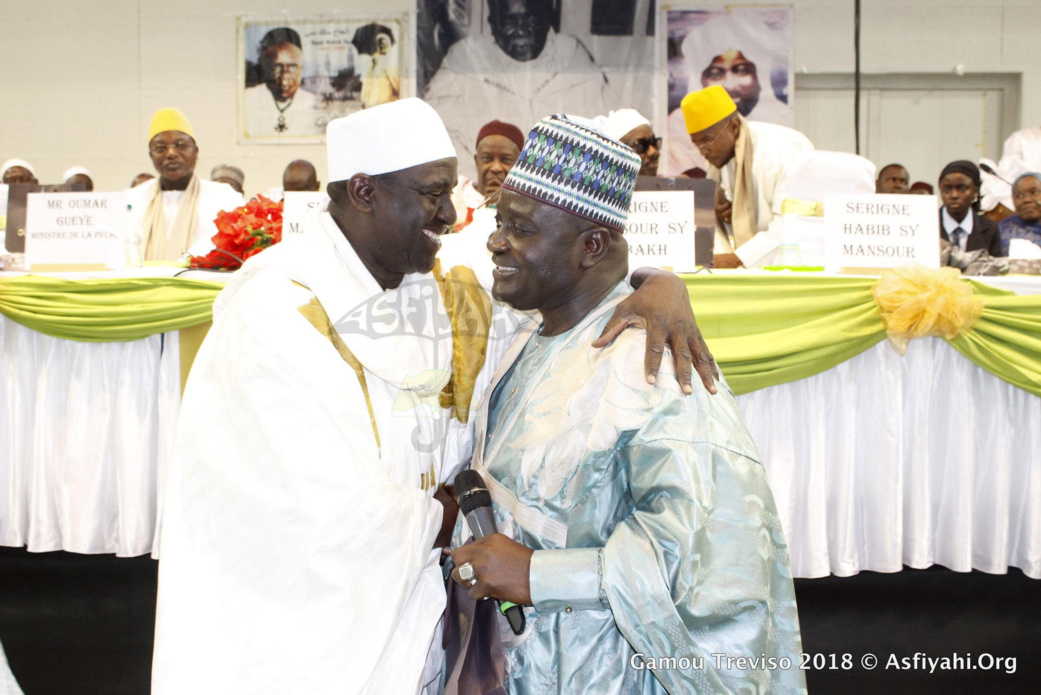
{"x":633,"y":130}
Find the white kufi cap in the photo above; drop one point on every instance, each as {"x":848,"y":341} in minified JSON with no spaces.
{"x":72,"y":171}
{"x":717,"y":34}
{"x":389,"y":137}
{"x":17,"y":163}
{"x":622,"y":121}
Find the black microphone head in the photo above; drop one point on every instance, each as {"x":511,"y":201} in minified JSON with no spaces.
{"x":467,"y":480}
{"x":986,"y":168}
{"x":471,"y":492}
{"x":475,"y":499}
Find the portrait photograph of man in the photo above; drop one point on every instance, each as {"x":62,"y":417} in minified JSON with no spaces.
{"x":746,"y":51}
{"x":277,"y":104}
{"x":520,"y":60}
{"x":300,"y":74}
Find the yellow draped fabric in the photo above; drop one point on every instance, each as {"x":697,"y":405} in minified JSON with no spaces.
{"x":470,"y":310}
{"x":764,"y":329}
{"x":1006,"y":341}
{"x":770,"y":329}
{"x":106,"y":310}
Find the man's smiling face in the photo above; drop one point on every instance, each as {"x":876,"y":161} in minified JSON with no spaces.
{"x":415,"y":208}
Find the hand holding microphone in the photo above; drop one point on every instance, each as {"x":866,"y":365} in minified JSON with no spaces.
{"x":493,"y":565}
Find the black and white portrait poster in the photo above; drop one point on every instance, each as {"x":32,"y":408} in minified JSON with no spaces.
{"x":522,"y":60}
{"x":746,"y":50}
{"x":299,"y":74}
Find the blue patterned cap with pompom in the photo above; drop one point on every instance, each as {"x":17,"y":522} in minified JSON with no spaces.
{"x":572,"y":164}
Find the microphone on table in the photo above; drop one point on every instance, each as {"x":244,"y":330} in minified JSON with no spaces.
{"x":986,"y":168}
{"x":475,"y":502}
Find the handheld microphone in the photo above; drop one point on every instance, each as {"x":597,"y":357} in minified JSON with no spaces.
{"x":475,"y":502}
{"x":986,"y":168}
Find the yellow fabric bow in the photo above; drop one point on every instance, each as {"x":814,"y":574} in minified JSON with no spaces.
{"x":916,"y":301}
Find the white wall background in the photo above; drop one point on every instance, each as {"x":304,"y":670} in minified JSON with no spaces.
{"x":82,"y":77}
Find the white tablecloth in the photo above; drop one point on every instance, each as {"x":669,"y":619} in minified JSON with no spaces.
{"x":8,"y":684}
{"x":886,"y":461}
{"x":880,"y":462}
{"x":84,"y":430}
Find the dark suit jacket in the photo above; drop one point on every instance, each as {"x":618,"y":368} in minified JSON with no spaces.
{"x":984,"y":235}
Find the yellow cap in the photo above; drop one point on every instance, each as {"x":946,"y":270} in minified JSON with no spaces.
{"x":706,"y":107}
{"x":170,"y":119}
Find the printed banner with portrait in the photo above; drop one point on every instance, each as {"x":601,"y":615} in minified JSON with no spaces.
{"x":746,"y":50}
{"x":521,"y":60}
{"x":299,"y":74}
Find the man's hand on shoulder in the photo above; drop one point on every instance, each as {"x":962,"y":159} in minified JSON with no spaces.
{"x":661,"y":306}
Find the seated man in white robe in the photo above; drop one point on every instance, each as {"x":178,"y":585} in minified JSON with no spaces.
{"x":749,"y":160}
{"x":636,"y":525}
{"x":304,"y":509}
{"x":175,"y":212}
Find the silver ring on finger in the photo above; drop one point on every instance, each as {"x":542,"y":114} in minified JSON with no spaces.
{"x":466,"y":573}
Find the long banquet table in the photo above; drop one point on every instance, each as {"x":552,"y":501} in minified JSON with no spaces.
{"x":89,"y":396}
{"x":876,"y":460}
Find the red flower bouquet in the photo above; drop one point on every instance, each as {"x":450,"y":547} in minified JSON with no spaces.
{"x":241,"y":233}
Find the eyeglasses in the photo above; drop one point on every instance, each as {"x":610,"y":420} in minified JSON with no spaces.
{"x":705,"y":144}
{"x":279,"y":69}
{"x":718,"y":73}
{"x":643,"y":144}
{"x":518,"y":21}
{"x":181,"y":146}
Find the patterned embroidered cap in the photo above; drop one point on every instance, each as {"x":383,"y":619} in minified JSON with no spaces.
{"x":570,"y":163}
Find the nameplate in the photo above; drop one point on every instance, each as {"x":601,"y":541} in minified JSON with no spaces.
{"x":870,"y":232}
{"x":660,"y":230}
{"x":297,"y":206}
{"x":76,"y":230}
